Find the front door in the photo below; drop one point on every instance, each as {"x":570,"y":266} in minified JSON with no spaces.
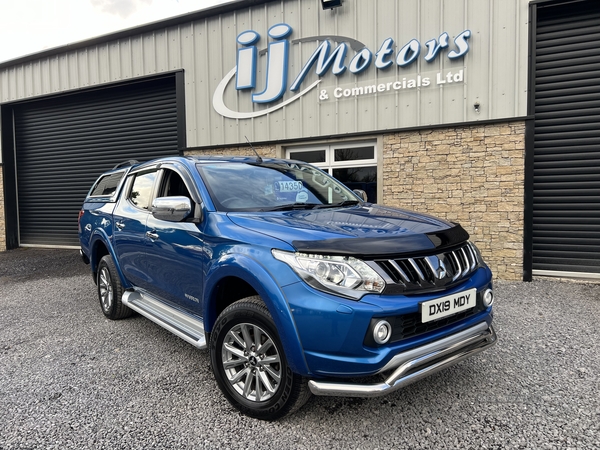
{"x":176,"y":251}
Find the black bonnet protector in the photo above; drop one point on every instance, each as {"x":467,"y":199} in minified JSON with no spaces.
{"x":384,"y":247}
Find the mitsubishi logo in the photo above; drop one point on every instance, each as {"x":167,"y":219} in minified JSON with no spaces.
{"x":437,"y":266}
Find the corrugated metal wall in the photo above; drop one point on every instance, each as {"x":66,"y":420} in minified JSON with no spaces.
{"x":494,"y":69}
{"x":566,"y":202}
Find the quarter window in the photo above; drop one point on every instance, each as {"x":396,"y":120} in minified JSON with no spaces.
{"x":354,"y":164}
{"x":107,"y":185}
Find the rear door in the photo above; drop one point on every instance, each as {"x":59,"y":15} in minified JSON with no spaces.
{"x":130,"y":217}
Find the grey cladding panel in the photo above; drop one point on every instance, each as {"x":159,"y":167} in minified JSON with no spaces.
{"x":494,"y":70}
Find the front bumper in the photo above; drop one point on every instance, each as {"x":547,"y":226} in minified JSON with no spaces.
{"x":415,"y":364}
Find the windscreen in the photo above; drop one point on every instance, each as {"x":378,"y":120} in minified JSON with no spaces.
{"x":272,"y":187}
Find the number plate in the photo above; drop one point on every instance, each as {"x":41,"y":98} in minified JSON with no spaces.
{"x":446,"y":306}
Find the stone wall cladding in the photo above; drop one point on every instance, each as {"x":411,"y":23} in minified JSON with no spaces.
{"x":473,"y":175}
{"x":2,"y":217}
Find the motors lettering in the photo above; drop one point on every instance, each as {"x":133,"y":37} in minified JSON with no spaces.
{"x":325,"y":58}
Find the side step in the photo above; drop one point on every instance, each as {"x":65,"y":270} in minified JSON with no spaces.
{"x":187,"y":327}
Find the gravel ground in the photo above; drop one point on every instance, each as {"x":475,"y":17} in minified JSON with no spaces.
{"x":71,"y":379}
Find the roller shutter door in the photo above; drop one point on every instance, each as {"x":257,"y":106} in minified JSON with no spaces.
{"x":64,"y":143}
{"x":566,"y":197}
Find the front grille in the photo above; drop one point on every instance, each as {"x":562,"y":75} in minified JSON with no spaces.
{"x":428,"y":273}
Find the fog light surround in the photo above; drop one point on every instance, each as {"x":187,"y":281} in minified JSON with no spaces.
{"x":488,"y":298}
{"x":382,"y":332}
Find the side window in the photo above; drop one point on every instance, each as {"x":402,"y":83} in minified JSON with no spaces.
{"x":141,"y":191}
{"x":173,"y":185}
{"x":107,"y":185}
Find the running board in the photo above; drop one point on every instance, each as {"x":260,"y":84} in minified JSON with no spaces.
{"x":187,"y":327}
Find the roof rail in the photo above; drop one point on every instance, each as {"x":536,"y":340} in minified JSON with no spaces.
{"x":129,"y":162}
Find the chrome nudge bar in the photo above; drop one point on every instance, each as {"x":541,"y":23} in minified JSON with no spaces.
{"x":415,"y":364}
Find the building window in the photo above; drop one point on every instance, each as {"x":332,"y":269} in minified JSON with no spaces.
{"x":354,"y":164}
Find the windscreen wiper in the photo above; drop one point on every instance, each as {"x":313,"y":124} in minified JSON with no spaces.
{"x":293,"y":206}
{"x":345,"y":203}
{"x":300,"y":206}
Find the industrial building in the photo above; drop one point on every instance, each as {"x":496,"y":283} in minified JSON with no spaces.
{"x":484,"y":112}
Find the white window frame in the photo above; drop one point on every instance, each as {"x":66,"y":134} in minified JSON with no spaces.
{"x":330,"y":149}
{"x":330,"y":164}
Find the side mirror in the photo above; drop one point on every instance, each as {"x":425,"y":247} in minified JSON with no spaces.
{"x":362,"y":194}
{"x":171,"y":209}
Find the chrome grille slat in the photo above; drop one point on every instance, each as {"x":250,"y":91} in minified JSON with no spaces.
{"x":416,"y":267}
{"x":431,"y":271}
{"x":430,"y":263}
{"x":395,"y":265}
{"x":466,"y":262}
{"x":458,"y":266}
{"x":473,"y":257}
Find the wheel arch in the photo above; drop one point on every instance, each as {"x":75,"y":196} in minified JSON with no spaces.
{"x":240,"y":277}
{"x":100,"y":246}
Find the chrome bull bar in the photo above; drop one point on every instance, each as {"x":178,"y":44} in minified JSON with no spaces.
{"x":412,"y":365}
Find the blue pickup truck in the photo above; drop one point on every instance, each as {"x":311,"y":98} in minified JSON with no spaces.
{"x":294,"y":283}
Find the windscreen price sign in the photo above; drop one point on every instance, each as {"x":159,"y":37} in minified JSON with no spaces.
{"x":288,"y":186}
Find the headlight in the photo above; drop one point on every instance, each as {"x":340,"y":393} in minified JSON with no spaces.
{"x":343,"y":275}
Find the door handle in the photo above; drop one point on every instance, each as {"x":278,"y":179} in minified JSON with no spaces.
{"x":152,"y":235}
{"x":120,"y":225}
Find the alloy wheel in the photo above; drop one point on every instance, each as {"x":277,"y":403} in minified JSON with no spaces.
{"x":251,"y":362}
{"x":105,"y":288}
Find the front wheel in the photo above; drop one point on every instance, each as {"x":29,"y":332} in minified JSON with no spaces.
{"x":249,"y":364}
{"x":110,"y":290}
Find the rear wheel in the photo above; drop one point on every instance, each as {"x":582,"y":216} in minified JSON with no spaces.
{"x":110,"y":290}
{"x":249,"y":364}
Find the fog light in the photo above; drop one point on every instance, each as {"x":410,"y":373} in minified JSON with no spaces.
{"x":382,"y":332}
{"x":488,"y":298}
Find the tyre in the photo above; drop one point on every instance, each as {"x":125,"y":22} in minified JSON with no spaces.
{"x":249,"y":363}
{"x":110,"y":290}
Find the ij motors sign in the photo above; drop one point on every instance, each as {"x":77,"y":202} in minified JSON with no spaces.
{"x":348,"y":57}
